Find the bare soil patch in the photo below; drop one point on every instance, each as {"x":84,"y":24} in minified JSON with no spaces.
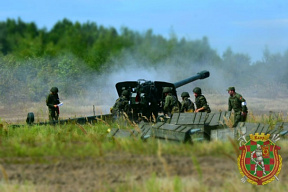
{"x":113,"y":169}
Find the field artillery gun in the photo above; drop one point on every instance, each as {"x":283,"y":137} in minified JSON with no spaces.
{"x":146,"y":98}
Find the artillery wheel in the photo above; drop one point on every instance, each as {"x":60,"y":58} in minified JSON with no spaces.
{"x":30,"y":118}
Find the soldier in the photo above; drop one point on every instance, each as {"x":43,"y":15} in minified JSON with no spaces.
{"x":200,"y":101}
{"x":238,"y":104}
{"x":52,"y":102}
{"x":122,"y":105}
{"x":186,"y":105}
{"x":259,"y":158}
{"x":171,"y":102}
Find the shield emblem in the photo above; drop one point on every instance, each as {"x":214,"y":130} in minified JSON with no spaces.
{"x":259,"y":160}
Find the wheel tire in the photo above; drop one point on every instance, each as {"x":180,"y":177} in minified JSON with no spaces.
{"x":30,"y":118}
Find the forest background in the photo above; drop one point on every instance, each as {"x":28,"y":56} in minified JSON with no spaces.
{"x":85,"y":60}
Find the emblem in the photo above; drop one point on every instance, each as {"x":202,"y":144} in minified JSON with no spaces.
{"x":259,"y":162}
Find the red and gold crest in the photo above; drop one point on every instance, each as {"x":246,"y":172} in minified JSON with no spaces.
{"x":259,"y":162}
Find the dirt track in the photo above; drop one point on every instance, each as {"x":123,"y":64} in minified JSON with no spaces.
{"x":111,"y":170}
{"x":114,"y":169}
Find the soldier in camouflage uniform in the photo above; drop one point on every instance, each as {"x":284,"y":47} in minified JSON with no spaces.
{"x":122,"y":105}
{"x":171,"y":104}
{"x":238,"y":104}
{"x":200,"y":101}
{"x":186,"y":105}
{"x":52,"y":102}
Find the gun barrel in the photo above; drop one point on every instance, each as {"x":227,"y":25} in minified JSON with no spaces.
{"x":200,"y":75}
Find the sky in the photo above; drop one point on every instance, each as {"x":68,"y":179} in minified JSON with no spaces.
{"x":246,"y":26}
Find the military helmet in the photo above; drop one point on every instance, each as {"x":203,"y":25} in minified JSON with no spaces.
{"x":231,"y":89}
{"x":197,"y":90}
{"x":54,"y":90}
{"x":125,"y":93}
{"x":185,"y":94}
{"x":167,"y":90}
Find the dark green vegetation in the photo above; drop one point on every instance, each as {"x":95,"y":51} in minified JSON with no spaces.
{"x":71,"y":54}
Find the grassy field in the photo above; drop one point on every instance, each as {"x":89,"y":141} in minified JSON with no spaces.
{"x":81,"y":158}
{"x":31,"y":155}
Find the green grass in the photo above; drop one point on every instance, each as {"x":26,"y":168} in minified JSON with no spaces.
{"x":74,"y":140}
{"x":40,"y":143}
{"x":46,"y":144}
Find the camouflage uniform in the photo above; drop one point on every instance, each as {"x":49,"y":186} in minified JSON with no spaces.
{"x":122,"y":105}
{"x":186,"y":105}
{"x":200,"y":101}
{"x":51,"y":100}
{"x":238,"y":104}
{"x":171,"y":104}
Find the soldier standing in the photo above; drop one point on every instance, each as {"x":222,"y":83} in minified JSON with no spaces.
{"x":238,"y":104}
{"x":200,"y":101}
{"x":122,"y":105}
{"x":171,"y":102}
{"x":52,"y":102}
{"x":186,"y":105}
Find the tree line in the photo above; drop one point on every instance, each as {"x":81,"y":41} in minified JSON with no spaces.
{"x":33,"y":59}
